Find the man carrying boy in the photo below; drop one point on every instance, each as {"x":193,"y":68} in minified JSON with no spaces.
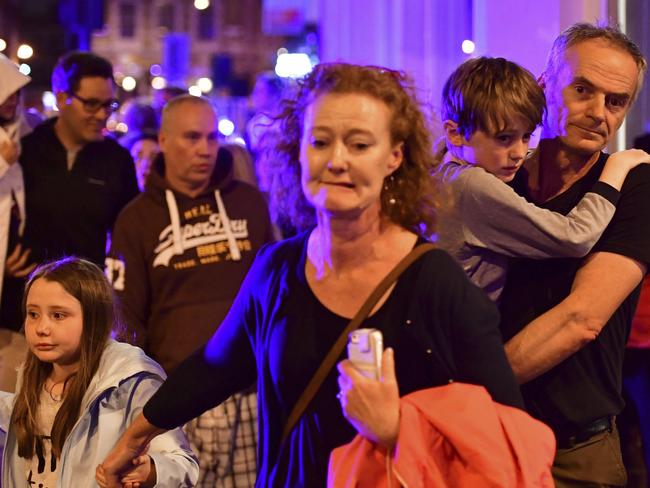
{"x":566,"y":321}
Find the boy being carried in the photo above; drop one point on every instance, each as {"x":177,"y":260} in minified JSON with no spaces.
{"x":490,"y":107}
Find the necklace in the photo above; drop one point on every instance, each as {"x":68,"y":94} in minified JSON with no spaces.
{"x":52,"y":396}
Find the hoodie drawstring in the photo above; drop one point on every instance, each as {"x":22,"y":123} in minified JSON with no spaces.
{"x":176,"y":223}
{"x":225,"y":221}
{"x":235,"y":254}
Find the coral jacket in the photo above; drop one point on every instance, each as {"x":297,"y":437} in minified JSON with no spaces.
{"x":456,"y":436}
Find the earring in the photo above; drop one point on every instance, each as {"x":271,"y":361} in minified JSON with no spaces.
{"x":389,"y":183}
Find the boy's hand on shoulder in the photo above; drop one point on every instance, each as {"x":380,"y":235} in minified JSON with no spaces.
{"x":142,"y":475}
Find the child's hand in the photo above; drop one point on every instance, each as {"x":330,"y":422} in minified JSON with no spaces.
{"x":631,"y":158}
{"x":142,"y":475}
{"x":618,"y":165}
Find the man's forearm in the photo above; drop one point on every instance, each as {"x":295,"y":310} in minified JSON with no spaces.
{"x":600,"y":286}
{"x":547,"y":341}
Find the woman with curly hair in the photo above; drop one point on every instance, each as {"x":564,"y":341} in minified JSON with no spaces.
{"x":353,"y":175}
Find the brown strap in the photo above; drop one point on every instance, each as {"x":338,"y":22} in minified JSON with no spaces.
{"x":328,"y":363}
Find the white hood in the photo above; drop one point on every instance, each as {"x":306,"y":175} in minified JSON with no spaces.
{"x":11,"y":80}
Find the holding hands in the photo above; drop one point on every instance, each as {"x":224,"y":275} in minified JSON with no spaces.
{"x":141,"y":475}
{"x":17,"y":265}
{"x":371,"y":406}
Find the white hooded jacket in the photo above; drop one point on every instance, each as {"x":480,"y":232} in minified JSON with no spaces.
{"x":11,"y":176}
{"x":125,"y":380}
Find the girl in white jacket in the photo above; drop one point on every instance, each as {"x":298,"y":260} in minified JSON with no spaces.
{"x":79,"y":389}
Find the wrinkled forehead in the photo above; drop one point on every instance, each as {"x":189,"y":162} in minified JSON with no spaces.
{"x":599,"y":62}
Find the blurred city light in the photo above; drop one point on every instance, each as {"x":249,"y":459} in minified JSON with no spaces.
{"x":282,"y":50}
{"x":158,"y":83}
{"x":25,"y":69}
{"x":122,"y":127}
{"x":195,"y":91}
{"x":49,"y":100}
{"x":25,"y":51}
{"x":205,"y":84}
{"x":293,"y":65}
{"x":201,"y":4}
{"x":240,"y":141}
{"x":129,"y":83}
{"x":468,"y":46}
{"x":226,"y":126}
{"x":155,"y":70}
{"x":3,"y":44}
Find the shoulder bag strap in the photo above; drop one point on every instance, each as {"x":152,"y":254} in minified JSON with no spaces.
{"x":330,"y":359}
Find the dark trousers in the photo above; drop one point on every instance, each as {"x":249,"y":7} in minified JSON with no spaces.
{"x":593,"y":463}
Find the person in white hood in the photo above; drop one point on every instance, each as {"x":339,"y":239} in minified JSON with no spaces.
{"x":79,"y":389}
{"x":13,"y":258}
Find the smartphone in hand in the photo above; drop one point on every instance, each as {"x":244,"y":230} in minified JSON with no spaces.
{"x":365,"y":349}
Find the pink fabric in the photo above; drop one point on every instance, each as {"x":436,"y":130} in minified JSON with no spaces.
{"x":640,"y":335}
{"x":454,"y":436}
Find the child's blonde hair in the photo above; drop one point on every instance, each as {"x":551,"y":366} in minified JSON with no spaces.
{"x":86,"y":282}
{"x":485,"y":93}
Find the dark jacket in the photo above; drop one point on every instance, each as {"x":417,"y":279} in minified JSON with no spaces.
{"x":71,"y":211}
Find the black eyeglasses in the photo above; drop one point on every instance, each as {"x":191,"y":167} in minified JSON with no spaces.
{"x":92,"y":105}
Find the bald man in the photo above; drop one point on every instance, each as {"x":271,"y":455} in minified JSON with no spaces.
{"x":180,"y":252}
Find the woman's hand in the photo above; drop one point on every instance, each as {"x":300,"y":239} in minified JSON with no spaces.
{"x":371,"y":406}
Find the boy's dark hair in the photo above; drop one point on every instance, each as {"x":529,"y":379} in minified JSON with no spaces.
{"x":485,"y":93}
{"x":75,"y":65}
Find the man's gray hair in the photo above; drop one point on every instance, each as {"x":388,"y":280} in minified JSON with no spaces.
{"x":584,"y":31}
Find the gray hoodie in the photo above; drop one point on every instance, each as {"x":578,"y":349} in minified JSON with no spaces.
{"x":486,"y":222}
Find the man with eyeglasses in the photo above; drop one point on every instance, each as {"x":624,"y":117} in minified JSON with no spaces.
{"x":76,"y":179}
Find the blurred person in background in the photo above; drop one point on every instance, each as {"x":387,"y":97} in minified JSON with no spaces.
{"x":76,"y":179}
{"x":164,"y":95}
{"x":263,"y":129}
{"x":179,"y":254}
{"x":13,"y":257}
{"x":643,"y":141}
{"x":139,"y":117}
{"x":143,"y":147}
{"x":242,"y":161}
{"x":635,"y":417}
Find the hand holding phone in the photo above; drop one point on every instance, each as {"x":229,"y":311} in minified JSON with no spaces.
{"x":365,"y":349}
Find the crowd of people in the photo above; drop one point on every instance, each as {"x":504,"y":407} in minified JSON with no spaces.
{"x":174,"y":309}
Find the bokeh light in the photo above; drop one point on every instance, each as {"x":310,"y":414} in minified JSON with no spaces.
{"x":25,"y":51}
{"x":129,"y":83}
{"x":468,"y":46}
